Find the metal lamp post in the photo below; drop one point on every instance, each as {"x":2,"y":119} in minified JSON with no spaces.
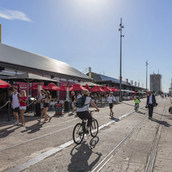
{"x":121,"y":35}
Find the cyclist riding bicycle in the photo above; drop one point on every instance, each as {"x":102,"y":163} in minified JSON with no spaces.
{"x":83,"y":112}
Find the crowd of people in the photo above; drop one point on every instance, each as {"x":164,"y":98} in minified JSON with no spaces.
{"x":19,"y":104}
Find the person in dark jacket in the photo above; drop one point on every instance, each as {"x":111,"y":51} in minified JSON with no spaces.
{"x":151,"y":103}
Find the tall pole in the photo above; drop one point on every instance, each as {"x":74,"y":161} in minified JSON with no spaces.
{"x":0,"y":33}
{"x":121,"y":35}
{"x":146,"y":73}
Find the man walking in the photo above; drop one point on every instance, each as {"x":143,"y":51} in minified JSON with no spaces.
{"x":151,"y":102}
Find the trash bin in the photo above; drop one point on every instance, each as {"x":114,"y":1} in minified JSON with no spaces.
{"x":58,"y":108}
{"x":66,"y":106}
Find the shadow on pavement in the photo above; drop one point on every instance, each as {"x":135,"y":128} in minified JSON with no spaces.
{"x":93,"y":142}
{"x":71,"y":114}
{"x":115,"y":119}
{"x":154,"y":112}
{"x":57,"y":116}
{"x":80,"y":157}
{"x":33,"y":128}
{"x":166,"y":124}
{"x":143,"y":113}
{"x":170,"y":118}
{"x":161,"y":114}
{"x":11,"y":122}
{"x":5,"y":132}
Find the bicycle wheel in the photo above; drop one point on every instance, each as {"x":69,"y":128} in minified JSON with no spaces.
{"x":78,"y":134}
{"x":94,"y":128}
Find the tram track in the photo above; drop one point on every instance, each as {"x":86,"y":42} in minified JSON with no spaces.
{"x":154,"y":149}
{"x":109,"y":156}
{"x":151,"y":155}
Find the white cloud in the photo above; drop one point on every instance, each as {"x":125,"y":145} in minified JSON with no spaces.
{"x":14,"y":15}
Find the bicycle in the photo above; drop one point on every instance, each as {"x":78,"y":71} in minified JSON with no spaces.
{"x":136,"y":107}
{"x":79,"y":129}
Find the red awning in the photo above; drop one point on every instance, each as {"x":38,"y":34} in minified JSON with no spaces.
{"x":96,"y":89}
{"x":4,"y":84}
{"x":77,"y":87}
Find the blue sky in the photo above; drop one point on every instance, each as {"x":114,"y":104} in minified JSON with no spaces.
{"x":84,"y":33}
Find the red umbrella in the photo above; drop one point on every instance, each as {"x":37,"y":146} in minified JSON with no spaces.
{"x":87,"y":87}
{"x":106,"y":89}
{"x":4,"y":84}
{"x":49,"y":86}
{"x":96,"y":89}
{"x":113,"y":89}
{"x":63,"y":88}
{"x":45,"y":87}
{"x":134,"y":92}
{"x":35,"y":87}
{"x":55,"y":88}
{"x":77,"y":87}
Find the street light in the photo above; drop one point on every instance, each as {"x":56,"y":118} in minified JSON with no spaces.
{"x":121,"y":35}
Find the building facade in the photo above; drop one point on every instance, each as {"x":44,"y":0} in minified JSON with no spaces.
{"x":113,"y":82}
{"x":155,"y":83}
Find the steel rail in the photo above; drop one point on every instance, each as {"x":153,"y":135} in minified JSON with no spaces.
{"x":153,"y":152}
{"x":108,"y":157}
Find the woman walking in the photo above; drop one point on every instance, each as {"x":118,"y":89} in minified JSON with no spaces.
{"x":22,"y":100}
{"x":73,"y":99}
{"x":46,"y":106}
{"x":15,"y":105}
{"x":41,"y":101}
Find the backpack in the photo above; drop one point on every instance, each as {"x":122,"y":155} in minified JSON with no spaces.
{"x":81,"y":102}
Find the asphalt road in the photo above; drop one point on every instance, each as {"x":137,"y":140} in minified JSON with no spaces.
{"x":128,"y":142}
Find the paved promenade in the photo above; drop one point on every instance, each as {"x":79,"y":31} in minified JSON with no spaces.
{"x":128,"y":142}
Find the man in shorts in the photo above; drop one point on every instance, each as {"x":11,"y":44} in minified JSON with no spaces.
{"x":15,"y":105}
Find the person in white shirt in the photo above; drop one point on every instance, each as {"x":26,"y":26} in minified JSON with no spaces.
{"x":15,"y":105}
{"x":110,"y":100}
{"x":83,"y":112}
{"x":78,"y":95}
